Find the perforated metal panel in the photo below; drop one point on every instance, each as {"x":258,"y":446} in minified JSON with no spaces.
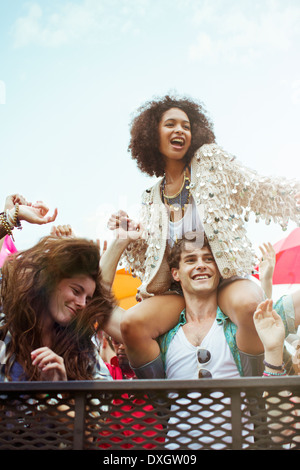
{"x":256,"y":413}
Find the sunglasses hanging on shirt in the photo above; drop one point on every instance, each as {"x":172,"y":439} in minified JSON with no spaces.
{"x":203,"y":357}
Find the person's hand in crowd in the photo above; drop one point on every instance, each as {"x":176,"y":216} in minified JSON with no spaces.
{"x":14,"y":199}
{"x":17,"y":209}
{"x":266,"y":267}
{"x":102,"y":249}
{"x":123,"y":226}
{"x":67,"y":231}
{"x":51,"y":366}
{"x":269,"y":326}
{"x":62,"y":231}
{"x":37,"y":213}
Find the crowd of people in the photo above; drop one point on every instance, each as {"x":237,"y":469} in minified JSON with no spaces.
{"x":199,"y":312}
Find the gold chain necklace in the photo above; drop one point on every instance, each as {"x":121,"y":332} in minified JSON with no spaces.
{"x":180,"y":199}
{"x":180,"y":190}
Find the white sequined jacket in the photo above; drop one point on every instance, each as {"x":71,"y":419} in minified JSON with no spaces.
{"x":225,"y":193}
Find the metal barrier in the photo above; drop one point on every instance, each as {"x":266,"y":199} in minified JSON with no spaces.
{"x":246,"y":413}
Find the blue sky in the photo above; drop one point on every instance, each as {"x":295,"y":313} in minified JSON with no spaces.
{"x":73,"y":72}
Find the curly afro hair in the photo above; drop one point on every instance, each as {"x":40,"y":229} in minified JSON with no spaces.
{"x":144,"y":141}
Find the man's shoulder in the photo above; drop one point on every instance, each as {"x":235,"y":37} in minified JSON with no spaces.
{"x":284,"y":306}
{"x":165,"y":339}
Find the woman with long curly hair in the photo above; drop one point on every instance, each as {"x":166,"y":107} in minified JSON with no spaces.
{"x":52,"y":301}
{"x":203,"y":189}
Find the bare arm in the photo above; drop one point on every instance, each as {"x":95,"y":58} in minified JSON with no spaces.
{"x":270,"y":329}
{"x":125,"y":232}
{"x":109,"y":263}
{"x":113,"y":325}
{"x":266,"y":268}
{"x":17,"y":208}
{"x":37,"y":213}
{"x":110,"y":259}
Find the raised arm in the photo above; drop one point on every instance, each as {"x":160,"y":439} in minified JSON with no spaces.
{"x":17,"y":209}
{"x":125,"y":231}
{"x":269,"y":198}
{"x":266,"y":268}
{"x":37,"y":213}
{"x":270,"y":329}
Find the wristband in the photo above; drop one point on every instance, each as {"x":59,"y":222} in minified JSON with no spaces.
{"x":16,"y":213}
{"x":274,"y":367}
{"x":5,"y":224}
{"x":274,"y":374}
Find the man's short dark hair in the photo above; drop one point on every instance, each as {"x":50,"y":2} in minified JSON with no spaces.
{"x":175,"y":252}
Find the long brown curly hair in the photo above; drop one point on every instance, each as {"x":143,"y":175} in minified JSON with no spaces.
{"x":144,"y":140}
{"x":28,"y":279}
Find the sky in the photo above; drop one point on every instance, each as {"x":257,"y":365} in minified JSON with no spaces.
{"x":72,"y":74}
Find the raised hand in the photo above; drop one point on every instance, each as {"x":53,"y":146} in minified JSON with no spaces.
{"x":269,"y":326}
{"x":62,"y":231}
{"x":124,"y":227}
{"x":104,"y":246}
{"x":13,"y":199}
{"x":36,"y":213}
{"x":266,"y":267}
{"x":117,"y":220}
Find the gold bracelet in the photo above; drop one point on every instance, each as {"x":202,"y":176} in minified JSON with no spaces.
{"x":5,"y":224}
{"x":15,"y":219}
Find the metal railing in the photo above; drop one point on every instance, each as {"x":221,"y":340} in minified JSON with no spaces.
{"x":245,"y":413}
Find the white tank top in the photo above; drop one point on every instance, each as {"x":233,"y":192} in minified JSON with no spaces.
{"x":181,"y":358}
{"x":190,"y":222}
{"x":181,"y":363}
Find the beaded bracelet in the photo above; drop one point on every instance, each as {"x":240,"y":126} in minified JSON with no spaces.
{"x":275,"y":374}
{"x":16,"y":213}
{"x":5,"y":224}
{"x":14,"y":221}
{"x":274,"y":367}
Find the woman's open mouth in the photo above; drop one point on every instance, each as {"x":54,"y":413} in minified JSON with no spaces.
{"x":178,"y":142}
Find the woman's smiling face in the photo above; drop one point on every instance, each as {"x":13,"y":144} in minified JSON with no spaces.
{"x":174,"y":134}
{"x":70,"y":296}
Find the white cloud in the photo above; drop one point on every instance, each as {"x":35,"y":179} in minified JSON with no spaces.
{"x":27,"y":28}
{"x":89,"y":20}
{"x":245,"y":30}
